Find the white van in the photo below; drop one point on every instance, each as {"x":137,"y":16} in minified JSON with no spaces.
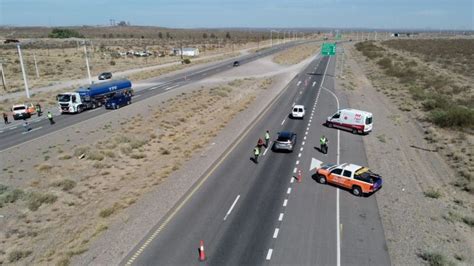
{"x":355,"y":120}
{"x":298,"y":111}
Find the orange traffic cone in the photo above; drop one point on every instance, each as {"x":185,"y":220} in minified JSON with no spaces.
{"x":202,"y":255}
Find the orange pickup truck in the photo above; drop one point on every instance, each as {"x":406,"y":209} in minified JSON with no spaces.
{"x":360,"y":180}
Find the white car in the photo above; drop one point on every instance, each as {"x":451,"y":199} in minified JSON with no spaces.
{"x":298,"y":111}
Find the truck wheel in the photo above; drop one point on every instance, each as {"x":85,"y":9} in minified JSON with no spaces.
{"x":129,"y":102}
{"x":321,"y":179}
{"x":94,"y":106}
{"x":356,"y":191}
{"x":354,"y":131}
{"x":329,"y":125}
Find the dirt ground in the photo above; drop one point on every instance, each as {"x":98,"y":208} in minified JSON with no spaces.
{"x":297,"y":54}
{"x":73,"y":184}
{"x":425,"y":218}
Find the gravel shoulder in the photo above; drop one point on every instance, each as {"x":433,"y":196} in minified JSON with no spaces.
{"x":421,"y":213}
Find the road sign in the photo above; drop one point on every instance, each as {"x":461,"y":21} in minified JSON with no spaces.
{"x":328,"y":49}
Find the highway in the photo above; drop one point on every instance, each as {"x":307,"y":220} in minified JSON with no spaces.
{"x":259,"y":214}
{"x":15,"y":134}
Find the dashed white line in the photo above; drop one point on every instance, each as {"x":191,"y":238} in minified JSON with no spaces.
{"x":299,"y":82}
{"x":265,"y":151}
{"x":304,"y":138}
{"x":231,"y":207}
{"x":301,"y":149}
{"x":299,"y":155}
{"x":306,"y":133}
{"x":31,"y":130}
{"x":275,"y":234}
{"x":292,"y":180}
{"x":285,"y":202}
{"x":172,"y":87}
{"x":297,"y":162}
{"x":294,"y":170}
{"x":314,"y":83}
{"x":302,"y":143}
{"x":288,"y":191}
{"x":13,"y":127}
{"x":280,"y":218}
{"x":282,"y":122}
{"x":307,"y":128}
{"x":269,"y":254}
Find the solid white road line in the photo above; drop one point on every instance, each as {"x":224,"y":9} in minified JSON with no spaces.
{"x":280,"y":218}
{"x":269,"y":254}
{"x":282,"y":122}
{"x":93,"y":110}
{"x":266,"y":149}
{"x":285,"y":202}
{"x":275,"y":234}
{"x":14,"y":127}
{"x":231,"y":207}
{"x":136,"y":96}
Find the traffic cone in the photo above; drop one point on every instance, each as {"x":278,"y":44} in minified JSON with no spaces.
{"x":202,"y":255}
{"x":299,"y":176}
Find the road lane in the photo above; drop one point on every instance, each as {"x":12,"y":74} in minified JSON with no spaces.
{"x":243,"y":236}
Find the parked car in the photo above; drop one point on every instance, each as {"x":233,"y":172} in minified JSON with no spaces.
{"x":118,"y":100}
{"x":105,"y":75}
{"x":298,"y":111}
{"x":285,"y":141}
{"x":360,"y":180}
{"x":236,"y":64}
{"x":23,"y":111}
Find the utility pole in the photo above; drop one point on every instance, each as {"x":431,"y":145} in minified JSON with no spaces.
{"x":4,"y":81}
{"x":36,"y":66}
{"x":23,"y":71}
{"x":87,"y":64}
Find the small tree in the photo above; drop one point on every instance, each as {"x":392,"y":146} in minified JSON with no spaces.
{"x":160,"y":35}
{"x":213,"y":36}
{"x":64,"y":33}
{"x":227,"y":35}
{"x":204,"y":35}
{"x":122,"y":23}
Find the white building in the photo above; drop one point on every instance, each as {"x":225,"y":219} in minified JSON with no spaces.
{"x":186,"y":51}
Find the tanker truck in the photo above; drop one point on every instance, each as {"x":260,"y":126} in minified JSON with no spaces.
{"x":93,"y":96}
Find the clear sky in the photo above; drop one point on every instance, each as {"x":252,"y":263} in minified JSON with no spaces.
{"x":421,"y":14}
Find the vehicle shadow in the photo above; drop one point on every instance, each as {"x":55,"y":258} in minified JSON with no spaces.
{"x":365,"y":195}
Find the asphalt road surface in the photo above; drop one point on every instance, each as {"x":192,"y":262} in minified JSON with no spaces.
{"x":16,"y":134}
{"x":258,"y":214}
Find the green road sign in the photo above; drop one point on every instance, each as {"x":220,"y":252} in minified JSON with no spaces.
{"x":328,"y":49}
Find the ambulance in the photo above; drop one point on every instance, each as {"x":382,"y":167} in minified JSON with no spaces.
{"x":357,"y":121}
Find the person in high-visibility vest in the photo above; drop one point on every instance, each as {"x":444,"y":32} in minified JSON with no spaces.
{"x":324,"y":144}
{"x":50,"y":118}
{"x":256,"y":153}
{"x":267,"y":138}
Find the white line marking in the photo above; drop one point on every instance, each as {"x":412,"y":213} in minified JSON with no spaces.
{"x":93,"y":110}
{"x":301,"y":149}
{"x":275,"y":234}
{"x":172,"y":87}
{"x":31,"y":130}
{"x":304,"y":138}
{"x":314,"y":83}
{"x":306,"y":133}
{"x":294,"y":170}
{"x":292,"y":180}
{"x":280,"y":218}
{"x":309,"y":124}
{"x":282,"y":122}
{"x":285,"y":202}
{"x":269,"y":254}
{"x":266,"y":149}
{"x":299,"y":155}
{"x":231,"y":207}
{"x":136,"y":96}
{"x":303,"y":143}
{"x":288,"y":191}
{"x":297,"y":162}
{"x":299,"y":82}
{"x":13,"y":127}
{"x":307,"y":128}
